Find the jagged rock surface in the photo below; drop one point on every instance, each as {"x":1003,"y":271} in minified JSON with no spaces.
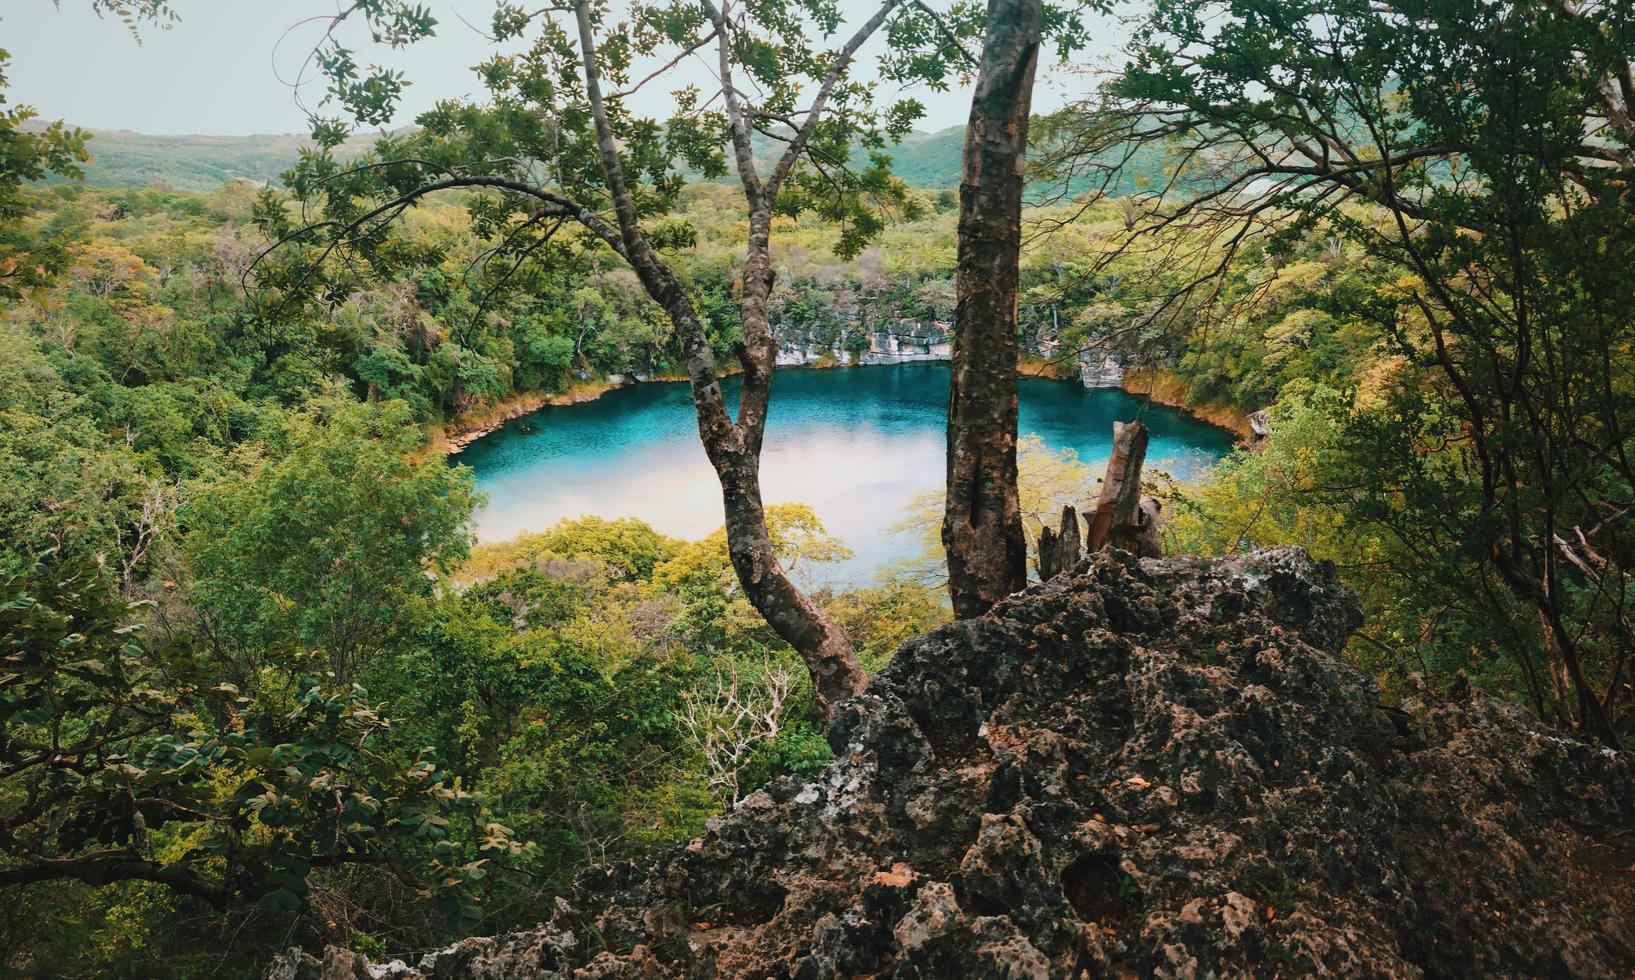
{"x":1137,"y":768}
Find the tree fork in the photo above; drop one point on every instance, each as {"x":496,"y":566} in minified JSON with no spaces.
{"x":823,"y":645}
{"x":734,"y":447}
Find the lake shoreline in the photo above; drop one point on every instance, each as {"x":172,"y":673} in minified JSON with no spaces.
{"x":1163,"y":386}
{"x":857,"y":447}
{"x":1157,"y":385}
{"x":455,"y":437}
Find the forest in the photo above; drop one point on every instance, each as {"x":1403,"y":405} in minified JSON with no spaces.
{"x":261,"y":688}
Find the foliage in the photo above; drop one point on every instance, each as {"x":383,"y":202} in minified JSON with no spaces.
{"x":34,"y":153}
{"x":1046,"y":481}
{"x":896,"y":608}
{"x":701,"y":574}
{"x":555,"y":682}
{"x":1477,"y":159}
{"x":133,"y":13}
{"x":325,"y":546}
{"x":26,"y":156}
{"x":532,"y":151}
{"x":565,"y":689}
{"x":628,"y":547}
{"x":68,"y":488}
{"x":123,"y":760}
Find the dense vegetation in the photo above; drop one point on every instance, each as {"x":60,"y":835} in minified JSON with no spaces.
{"x":259,"y":685}
{"x":272,"y":600}
{"x":1474,"y":162}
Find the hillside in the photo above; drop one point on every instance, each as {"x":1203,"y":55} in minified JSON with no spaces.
{"x":1143,"y":768}
{"x":193,"y":163}
{"x":201,"y":163}
{"x":928,"y":161}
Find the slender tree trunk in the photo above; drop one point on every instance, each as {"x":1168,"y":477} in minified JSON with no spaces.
{"x":1592,"y":714}
{"x":823,"y":644}
{"x":1528,"y":587}
{"x":733,"y":447}
{"x":982,"y":526}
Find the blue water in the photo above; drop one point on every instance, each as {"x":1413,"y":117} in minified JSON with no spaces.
{"x":859,"y":445}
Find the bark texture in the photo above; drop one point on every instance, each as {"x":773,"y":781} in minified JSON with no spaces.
{"x":982,"y":527}
{"x":1059,"y":550}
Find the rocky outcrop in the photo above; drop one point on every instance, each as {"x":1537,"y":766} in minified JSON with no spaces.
{"x":1137,"y":768}
{"x":1098,"y":369}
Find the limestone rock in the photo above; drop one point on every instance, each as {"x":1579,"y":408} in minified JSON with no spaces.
{"x":1152,"y":768}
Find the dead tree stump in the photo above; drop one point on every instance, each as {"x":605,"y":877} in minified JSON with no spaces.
{"x":1059,"y":550}
{"x":1123,"y":517}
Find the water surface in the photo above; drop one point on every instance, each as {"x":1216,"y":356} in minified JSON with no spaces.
{"x":857,"y":444}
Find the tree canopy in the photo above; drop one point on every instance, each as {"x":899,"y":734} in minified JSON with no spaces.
{"x":1483,"y":152}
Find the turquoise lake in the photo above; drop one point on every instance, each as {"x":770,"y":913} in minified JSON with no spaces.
{"x":857,"y":444}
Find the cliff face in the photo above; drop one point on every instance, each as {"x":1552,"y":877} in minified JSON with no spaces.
{"x":1140,"y":768}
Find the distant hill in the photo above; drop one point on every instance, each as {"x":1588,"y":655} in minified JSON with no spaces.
{"x":192,"y":163}
{"x":929,"y":160}
{"x":199,"y":163}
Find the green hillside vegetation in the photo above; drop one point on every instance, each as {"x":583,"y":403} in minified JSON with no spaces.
{"x":193,"y":163}
{"x":120,"y":158}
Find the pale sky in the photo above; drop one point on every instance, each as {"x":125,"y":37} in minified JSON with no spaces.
{"x":218,"y":70}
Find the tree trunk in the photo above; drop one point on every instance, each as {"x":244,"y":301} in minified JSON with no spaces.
{"x":1123,"y":518}
{"x":823,"y":644}
{"x":733,"y":447}
{"x":1059,"y":550}
{"x":982,"y":526}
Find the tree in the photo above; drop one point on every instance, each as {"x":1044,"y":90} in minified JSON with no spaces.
{"x":328,"y":545}
{"x":27,"y":156}
{"x":30,"y":154}
{"x":559,"y":145}
{"x":66,"y":487}
{"x":132,"y":13}
{"x":121,"y":760}
{"x":982,"y":525}
{"x":1485,"y":151}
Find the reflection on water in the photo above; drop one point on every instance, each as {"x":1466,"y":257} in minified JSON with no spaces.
{"x":858,"y":445}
